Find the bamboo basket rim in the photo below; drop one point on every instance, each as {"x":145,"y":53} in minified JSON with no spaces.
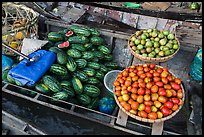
{"x":148,"y":59}
{"x":146,"y":119}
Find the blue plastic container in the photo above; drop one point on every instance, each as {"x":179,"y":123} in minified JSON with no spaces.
{"x":196,"y":66}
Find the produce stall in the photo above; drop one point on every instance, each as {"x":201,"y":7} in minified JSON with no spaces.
{"x":74,"y":82}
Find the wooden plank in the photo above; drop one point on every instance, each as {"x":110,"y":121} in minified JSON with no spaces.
{"x":121,"y":53}
{"x":122,"y":118}
{"x":157,"y":128}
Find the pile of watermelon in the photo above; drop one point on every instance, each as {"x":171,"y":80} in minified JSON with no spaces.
{"x":77,"y":75}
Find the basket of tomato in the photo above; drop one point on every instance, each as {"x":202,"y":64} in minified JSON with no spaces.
{"x":154,"y":45}
{"x":148,"y":92}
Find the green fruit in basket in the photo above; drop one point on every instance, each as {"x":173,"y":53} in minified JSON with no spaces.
{"x":161,"y":53}
{"x":140,"y":47}
{"x":148,"y":44}
{"x":170,"y":36}
{"x":157,"y":56}
{"x":147,"y":34}
{"x":161,"y":35}
{"x":156,"y":39}
{"x":175,"y":42}
{"x":166,"y":32}
{"x":161,"y":47}
{"x":137,"y":51}
{"x":144,"y":54}
{"x":171,"y":41}
{"x":154,"y":34}
{"x":165,"y":48}
{"x":175,"y":46}
{"x":148,"y":49}
{"x":169,"y":45}
{"x":156,"y":50}
{"x":163,"y":42}
{"x":143,"y":36}
{"x":156,"y":44}
{"x":151,"y":55}
{"x":133,"y":38}
{"x":137,"y":41}
{"x":172,"y":51}
{"x":167,"y":52}
{"x":149,"y":30}
{"x":142,"y":51}
{"x":137,"y":33}
{"x":147,"y":40}
{"x":142,"y":42}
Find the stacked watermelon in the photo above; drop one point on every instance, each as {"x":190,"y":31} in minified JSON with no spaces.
{"x":83,"y":59}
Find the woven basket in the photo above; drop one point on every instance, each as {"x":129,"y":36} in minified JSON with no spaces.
{"x":150,"y":120}
{"x":18,"y":22}
{"x":148,"y":59}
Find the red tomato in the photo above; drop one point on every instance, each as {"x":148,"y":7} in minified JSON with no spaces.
{"x":135,"y":85}
{"x":149,"y":85}
{"x":167,"y":86}
{"x":165,"y":111}
{"x":164,"y":80}
{"x":152,"y":115}
{"x":134,"y":90}
{"x":134,"y":105}
{"x":162,"y":99}
{"x":168,"y":104}
{"x":159,"y":114}
{"x":177,"y":81}
{"x":141,"y":91}
{"x":175,"y":100}
{"x":131,"y":69}
{"x":142,"y":85}
{"x":159,"y":70}
{"x":143,"y":75}
{"x":127,"y":83}
{"x":139,"y":67}
{"x":140,"y":99}
{"x":125,"y":73}
{"x":174,"y":94}
{"x":143,"y":114}
{"x":152,"y":66}
{"x":127,"y":107}
{"x":165,"y":69}
{"x":154,"y":88}
{"x":162,"y":92}
{"x":154,"y":96}
{"x":135,"y":71}
{"x":164,"y":74}
{"x":148,"y":109}
{"x":146,"y":69}
{"x":120,"y":75}
{"x":175,"y":86}
{"x":147,"y":97}
{"x":157,"y":104}
{"x":169,"y":77}
{"x":117,"y":93}
{"x":149,"y":74}
{"x":147,"y":79}
{"x":147,"y":91}
{"x":159,"y":84}
{"x":156,"y":79}
{"x":156,"y":74}
{"x":141,"y":107}
{"x":133,"y":96}
{"x":148,"y":103}
{"x":175,"y":107}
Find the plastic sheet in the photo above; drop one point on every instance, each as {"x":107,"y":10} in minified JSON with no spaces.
{"x":6,"y":62}
{"x":196,"y":66}
{"x":29,"y":74}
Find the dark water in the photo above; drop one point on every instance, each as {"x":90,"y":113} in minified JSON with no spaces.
{"x":52,"y":121}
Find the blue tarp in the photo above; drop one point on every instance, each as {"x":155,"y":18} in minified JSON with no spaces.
{"x":30,"y":74}
{"x":6,"y":62}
